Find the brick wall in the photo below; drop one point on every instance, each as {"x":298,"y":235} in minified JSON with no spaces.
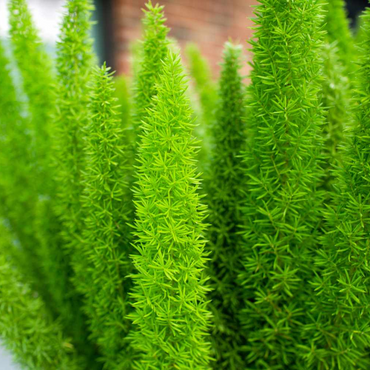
{"x":209,"y":23}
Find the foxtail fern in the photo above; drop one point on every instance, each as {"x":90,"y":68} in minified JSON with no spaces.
{"x":224,"y":199}
{"x":122,"y":93}
{"x":37,"y":82}
{"x":340,"y":335}
{"x":17,"y":187}
{"x":337,"y":27}
{"x":282,"y":203}
{"x":74,"y":60}
{"x":154,"y":50}
{"x":335,"y":98}
{"x":33,"y":63}
{"x":206,"y":92}
{"x":200,"y":73}
{"x":338,"y":64}
{"x":26,"y":329}
{"x":107,"y":236}
{"x":37,"y":78}
{"x":170,"y":318}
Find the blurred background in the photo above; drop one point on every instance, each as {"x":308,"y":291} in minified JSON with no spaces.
{"x":208,"y":23}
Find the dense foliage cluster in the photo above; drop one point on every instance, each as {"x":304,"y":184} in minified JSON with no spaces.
{"x":148,"y":225}
{"x":342,"y":285}
{"x":224,"y":199}
{"x":106,"y":214}
{"x":170,"y":292}
{"x":282,"y":207}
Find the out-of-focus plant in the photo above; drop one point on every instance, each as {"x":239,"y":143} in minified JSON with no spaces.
{"x":206,"y":92}
{"x":225,"y":195}
{"x":338,"y":65}
{"x":26,"y":327}
{"x":74,"y":62}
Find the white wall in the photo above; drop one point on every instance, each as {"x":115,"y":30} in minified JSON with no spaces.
{"x":46,"y":14}
{"x":6,"y":362}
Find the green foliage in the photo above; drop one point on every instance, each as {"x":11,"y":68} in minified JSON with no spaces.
{"x":206,"y":90}
{"x":335,"y":93}
{"x":42,"y":242}
{"x":337,"y":27}
{"x":34,"y":118}
{"x":282,"y":204}
{"x":224,"y":200}
{"x":121,"y":92}
{"x":338,"y":66}
{"x":153,"y":50}
{"x":74,"y":61}
{"x":340,"y":335}
{"x":107,"y":237}
{"x":171,"y":319}
{"x":36,"y":341}
{"x":34,"y":64}
{"x":200,"y":72}
{"x":17,"y":185}
{"x":130,"y":271}
{"x":360,"y":34}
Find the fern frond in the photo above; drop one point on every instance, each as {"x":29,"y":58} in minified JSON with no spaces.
{"x":26,"y":328}
{"x":38,"y":81}
{"x":282,"y":165}
{"x":107,"y":237}
{"x":74,"y":63}
{"x":154,"y":48}
{"x":171,"y":318}
{"x":336,"y":101}
{"x":18,"y":180}
{"x":122,"y":93}
{"x":223,"y":185}
{"x":338,"y":31}
{"x":340,"y":335}
{"x":206,"y":91}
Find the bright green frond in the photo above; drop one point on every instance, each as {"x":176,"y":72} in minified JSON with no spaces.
{"x":107,"y":238}
{"x":282,"y":206}
{"x":154,"y":48}
{"x":171,"y":319}
{"x":340,"y":336}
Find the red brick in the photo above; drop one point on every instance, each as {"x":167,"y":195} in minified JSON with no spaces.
{"x":207,"y":22}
